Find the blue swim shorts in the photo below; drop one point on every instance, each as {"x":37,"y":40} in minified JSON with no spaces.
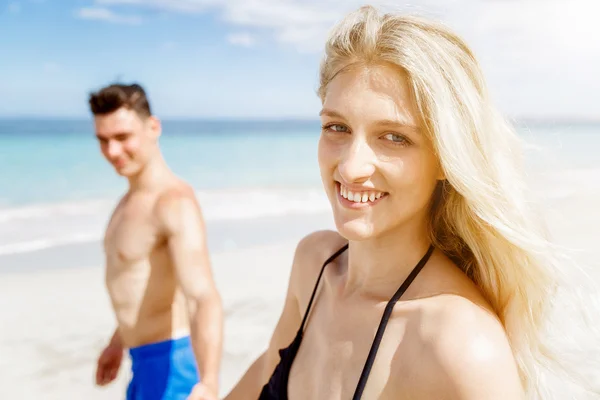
{"x":163,"y":371}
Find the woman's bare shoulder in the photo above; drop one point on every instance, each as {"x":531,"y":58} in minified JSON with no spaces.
{"x":465,"y":350}
{"x":311,"y":252}
{"x":462,"y":343}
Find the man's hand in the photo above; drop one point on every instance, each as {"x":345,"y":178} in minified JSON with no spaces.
{"x":109,"y":363}
{"x":203,"y":392}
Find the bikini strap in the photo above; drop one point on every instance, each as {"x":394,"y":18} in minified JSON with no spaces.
{"x":312,"y":297}
{"x":384,"y":320}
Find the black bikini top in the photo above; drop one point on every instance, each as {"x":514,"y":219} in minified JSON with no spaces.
{"x":276,"y":388}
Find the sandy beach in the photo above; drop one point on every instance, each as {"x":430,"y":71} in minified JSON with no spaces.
{"x":60,"y":319}
{"x":56,"y":319}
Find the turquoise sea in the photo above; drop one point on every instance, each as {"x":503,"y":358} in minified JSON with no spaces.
{"x":56,"y":189}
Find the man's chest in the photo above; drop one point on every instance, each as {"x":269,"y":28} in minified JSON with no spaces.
{"x":132,"y":234}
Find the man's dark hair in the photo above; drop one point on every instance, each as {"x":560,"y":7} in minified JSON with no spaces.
{"x":116,"y":95}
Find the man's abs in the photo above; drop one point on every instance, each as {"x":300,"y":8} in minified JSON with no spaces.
{"x":148,"y":306}
{"x":140,"y":277}
{"x":152,"y":328}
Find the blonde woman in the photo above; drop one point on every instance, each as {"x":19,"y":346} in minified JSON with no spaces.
{"x":435,"y":284}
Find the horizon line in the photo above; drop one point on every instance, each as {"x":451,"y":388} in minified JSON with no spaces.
{"x":517,"y":119}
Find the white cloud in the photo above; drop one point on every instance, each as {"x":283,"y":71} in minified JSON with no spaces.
{"x":288,"y":20}
{"x":539,"y":55}
{"x":243,"y":39}
{"x":301,"y":23}
{"x":527,"y":28}
{"x":107,"y":15}
{"x":168,"y":5}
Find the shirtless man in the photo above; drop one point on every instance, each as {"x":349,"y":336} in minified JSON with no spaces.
{"x":158,"y":273}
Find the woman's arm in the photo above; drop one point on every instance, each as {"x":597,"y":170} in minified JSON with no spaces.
{"x":309,"y":256}
{"x":251,"y":383}
{"x":306,"y":265}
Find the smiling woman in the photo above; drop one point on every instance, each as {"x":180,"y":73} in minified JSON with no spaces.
{"x":371,"y":144}
{"x":438,"y":279}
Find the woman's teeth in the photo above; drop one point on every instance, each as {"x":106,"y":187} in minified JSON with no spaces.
{"x":359,"y":197}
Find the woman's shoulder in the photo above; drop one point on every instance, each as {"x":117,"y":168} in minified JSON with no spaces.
{"x":320,"y":244}
{"x":456,"y":339}
{"x":315,"y":248}
{"x":450,"y":319}
{"x":311,"y":253}
{"x":464,"y":348}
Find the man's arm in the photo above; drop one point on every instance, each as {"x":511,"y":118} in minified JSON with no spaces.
{"x":186,"y":238}
{"x":109,"y":361}
{"x":115,"y":339}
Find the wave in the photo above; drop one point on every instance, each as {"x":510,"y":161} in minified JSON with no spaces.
{"x":41,"y":244}
{"x":9,"y":214}
{"x":41,"y":226}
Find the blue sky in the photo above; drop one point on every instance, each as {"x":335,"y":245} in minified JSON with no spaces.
{"x":259,"y":58}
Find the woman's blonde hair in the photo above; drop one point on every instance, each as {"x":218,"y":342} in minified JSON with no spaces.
{"x":483,"y":218}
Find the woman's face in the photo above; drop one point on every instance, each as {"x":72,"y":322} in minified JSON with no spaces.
{"x":378,"y":168}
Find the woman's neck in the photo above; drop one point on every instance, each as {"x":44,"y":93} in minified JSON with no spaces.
{"x":378,"y":266}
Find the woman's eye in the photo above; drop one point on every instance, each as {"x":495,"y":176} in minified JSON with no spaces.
{"x":393,"y":137}
{"x":336,"y":128}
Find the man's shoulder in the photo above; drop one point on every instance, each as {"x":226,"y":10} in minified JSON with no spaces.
{"x":176,"y":205}
{"x":175,"y":193}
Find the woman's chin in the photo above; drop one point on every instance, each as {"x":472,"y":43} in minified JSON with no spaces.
{"x":355,"y":229}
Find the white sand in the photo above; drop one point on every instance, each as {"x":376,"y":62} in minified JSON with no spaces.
{"x":55,"y":322}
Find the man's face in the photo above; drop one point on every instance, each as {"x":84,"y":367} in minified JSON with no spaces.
{"x":126,"y":140}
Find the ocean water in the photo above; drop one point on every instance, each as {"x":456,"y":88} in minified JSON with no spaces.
{"x":56,"y":189}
